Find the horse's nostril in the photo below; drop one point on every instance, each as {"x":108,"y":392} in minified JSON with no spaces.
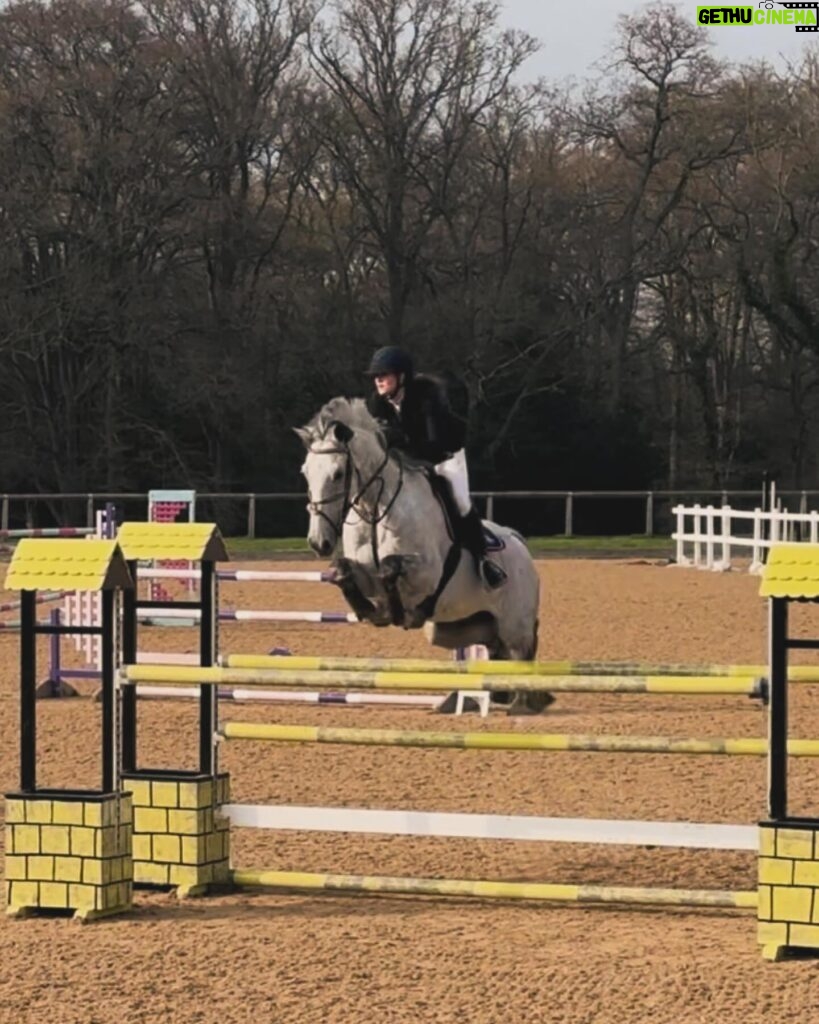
{"x":326,"y":548}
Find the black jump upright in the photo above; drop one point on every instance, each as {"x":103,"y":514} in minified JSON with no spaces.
{"x":68,"y":849}
{"x":180,"y":840}
{"x":788,"y":914}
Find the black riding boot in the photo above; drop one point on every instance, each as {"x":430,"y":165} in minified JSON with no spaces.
{"x":474,"y":540}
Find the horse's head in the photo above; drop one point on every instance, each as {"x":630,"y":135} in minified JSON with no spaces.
{"x":327,"y":470}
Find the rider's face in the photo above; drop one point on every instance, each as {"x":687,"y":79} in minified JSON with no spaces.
{"x":386,"y":384}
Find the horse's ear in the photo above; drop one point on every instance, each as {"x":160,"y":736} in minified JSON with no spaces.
{"x":342,"y":433}
{"x":304,"y":434}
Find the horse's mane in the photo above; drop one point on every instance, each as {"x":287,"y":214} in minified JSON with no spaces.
{"x":353,"y":413}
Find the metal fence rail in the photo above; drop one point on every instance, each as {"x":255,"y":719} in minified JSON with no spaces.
{"x":251,"y":514}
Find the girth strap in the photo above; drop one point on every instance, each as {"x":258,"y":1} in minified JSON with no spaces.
{"x":427,"y":606}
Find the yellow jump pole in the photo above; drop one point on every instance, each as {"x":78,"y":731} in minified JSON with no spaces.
{"x":494,"y":890}
{"x":796,"y":673}
{"x":174,"y":675}
{"x":507,"y":741}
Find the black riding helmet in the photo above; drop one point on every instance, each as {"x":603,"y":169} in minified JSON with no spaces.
{"x":390,"y":359}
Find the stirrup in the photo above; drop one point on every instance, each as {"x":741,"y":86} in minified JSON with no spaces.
{"x":492,"y":574}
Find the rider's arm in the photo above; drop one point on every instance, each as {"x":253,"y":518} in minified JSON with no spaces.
{"x":444,"y":433}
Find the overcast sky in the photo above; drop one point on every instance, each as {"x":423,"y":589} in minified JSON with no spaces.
{"x":569,"y":52}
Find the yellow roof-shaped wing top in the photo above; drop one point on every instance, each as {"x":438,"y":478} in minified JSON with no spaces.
{"x":189,"y":542}
{"x":792,"y":571}
{"x":48,"y":564}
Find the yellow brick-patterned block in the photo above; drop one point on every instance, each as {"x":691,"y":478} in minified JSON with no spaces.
{"x":83,"y":841}
{"x":108,"y":841}
{"x":190,"y":823}
{"x":188,"y":875}
{"x":55,"y":839}
{"x":98,"y":872}
{"x":223,"y":788}
{"x":41,"y":869}
{"x":68,"y":812}
{"x":117,"y":896}
{"x":764,"y":904}
{"x":26,"y":838}
{"x":804,"y":935}
{"x":102,"y":813}
{"x":141,"y":847}
{"x":151,"y":873}
{"x":195,"y":795}
{"x":123,"y":869}
{"x":15,"y":868}
{"x":54,"y":895}
{"x":140,"y":790}
{"x":167,"y":849}
{"x":8,"y":839}
{"x":150,"y":819}
{"x":15,"y":811}
{"x":83,"y":897}
{"x":795,"y":843}
{"x":68,"y":869}
{"x":767,"y":842}
{"x":792,"y":904}
{"x":773,"y":871}
{"x":164,"y":794}
{"x":806,"y":872}
{"x":772,"y":932}
{"x":194,"y":850}
{"x":39,"y":812}
{"x":216,"y":844}
{"x":23,"y":894}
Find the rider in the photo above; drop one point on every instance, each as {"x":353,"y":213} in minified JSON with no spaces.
{"x":416,"y":417}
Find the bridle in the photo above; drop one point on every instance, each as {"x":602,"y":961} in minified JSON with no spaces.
{"x":353,"y":501}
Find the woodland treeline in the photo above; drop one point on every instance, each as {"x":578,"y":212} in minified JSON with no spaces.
{"x":211,"y":212}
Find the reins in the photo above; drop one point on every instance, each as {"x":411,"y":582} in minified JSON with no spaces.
{"x":353,"y":503}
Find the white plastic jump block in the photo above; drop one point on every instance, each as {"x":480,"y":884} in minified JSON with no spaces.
{"x":481,"y":698}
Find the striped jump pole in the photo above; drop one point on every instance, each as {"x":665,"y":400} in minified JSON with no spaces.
{"x":13,"y":606}
{"x":612,"y":744}
{"x":302,"y":880}
{"x":49,"y":531}
{"x":796,"y":673}
{"x":189,"y":615}
{"x":437,"y":681}
{"x":295,"y":696}
{"x":240,"y":575}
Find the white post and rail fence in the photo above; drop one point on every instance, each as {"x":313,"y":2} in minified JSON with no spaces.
{"x":707,"y":525}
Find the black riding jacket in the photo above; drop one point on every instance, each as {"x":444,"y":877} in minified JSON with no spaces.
{"x":426,"y":427}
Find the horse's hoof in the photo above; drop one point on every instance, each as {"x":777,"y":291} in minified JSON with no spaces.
{"x":530,"y":704}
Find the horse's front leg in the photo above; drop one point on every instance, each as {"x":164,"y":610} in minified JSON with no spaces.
{"x":356,"y":584}
{"x":400,"y":576}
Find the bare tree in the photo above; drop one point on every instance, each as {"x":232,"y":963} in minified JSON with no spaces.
{"x":410,"y":80}
{"x":649,"y":139}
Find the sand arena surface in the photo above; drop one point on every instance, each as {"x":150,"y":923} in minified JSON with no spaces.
{"x":266,"y":958}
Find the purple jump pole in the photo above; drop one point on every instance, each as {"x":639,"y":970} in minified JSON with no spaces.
{"x":56,"y":685}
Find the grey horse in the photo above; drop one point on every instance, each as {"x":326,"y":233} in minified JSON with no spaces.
{"x":399,"y":563}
